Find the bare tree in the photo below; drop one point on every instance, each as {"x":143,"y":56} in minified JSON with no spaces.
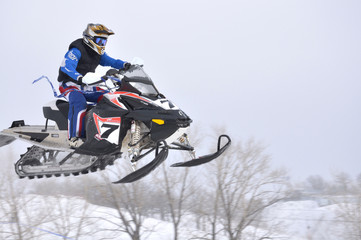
{"x":343,"y":183}
{"x":69,"y":217}
{"x":16,"y":209}
{"x":130,"y":204}
{"x":207,"y":213}
{"x":349,"y":208}
{"x":243,"y":185}
{"x":316,"y":183}
{"x":358,"y":180}
{"x":177,"y":187}
{"x":350,"y":214}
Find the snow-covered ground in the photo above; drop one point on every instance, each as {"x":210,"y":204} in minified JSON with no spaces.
{"x":49,"y":217}
{"x":305,"y":220}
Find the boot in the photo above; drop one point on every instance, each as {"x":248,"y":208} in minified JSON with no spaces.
{"x":75,"y":142}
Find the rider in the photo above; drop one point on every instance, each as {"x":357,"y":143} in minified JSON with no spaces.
{"x":83,"y":56}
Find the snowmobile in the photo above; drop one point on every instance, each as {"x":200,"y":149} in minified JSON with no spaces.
{"x":133,"y":117}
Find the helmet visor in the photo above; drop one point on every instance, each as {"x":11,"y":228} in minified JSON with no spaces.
{"x":100,"y":41}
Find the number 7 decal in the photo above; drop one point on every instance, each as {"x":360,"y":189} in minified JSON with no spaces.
{"x":108,"y":128}
{"x":111,"y":129}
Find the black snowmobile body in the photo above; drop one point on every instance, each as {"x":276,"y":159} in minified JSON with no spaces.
{"x":132,"y":117}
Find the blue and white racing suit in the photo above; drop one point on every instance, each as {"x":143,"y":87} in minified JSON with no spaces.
{"x":77,"y":62}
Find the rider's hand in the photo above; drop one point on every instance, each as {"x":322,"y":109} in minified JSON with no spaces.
{"x":80,"y":82}
{"x":126,"y":66}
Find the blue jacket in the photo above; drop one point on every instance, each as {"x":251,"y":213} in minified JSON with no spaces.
{"x":81,"y":59}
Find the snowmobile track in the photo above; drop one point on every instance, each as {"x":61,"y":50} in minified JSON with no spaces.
{"x":38,"y":159}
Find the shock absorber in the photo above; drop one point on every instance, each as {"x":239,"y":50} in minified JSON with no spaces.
{"x":135,"y":137}
{"x":185,"y":140}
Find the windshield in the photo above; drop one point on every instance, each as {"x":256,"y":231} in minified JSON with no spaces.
{"x":137,"y":73}
{"x":139,"y":80}
{"x":145,"y":89}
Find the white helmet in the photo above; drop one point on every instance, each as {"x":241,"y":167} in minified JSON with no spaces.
{"x":96,"y":36}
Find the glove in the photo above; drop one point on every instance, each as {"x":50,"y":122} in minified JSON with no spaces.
{"x":126,"y":66}
{"x":80,"y":82}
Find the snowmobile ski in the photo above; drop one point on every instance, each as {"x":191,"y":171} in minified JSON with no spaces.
{"x":142,"y":172}
{"x":206,"y":158}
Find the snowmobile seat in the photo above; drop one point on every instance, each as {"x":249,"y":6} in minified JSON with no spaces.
{"x":59,"y":116}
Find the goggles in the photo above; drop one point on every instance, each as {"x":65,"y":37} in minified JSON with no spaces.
{"x":100,"y":41}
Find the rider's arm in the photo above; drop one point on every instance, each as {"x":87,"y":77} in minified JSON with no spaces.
{"x":105,"y":60}
{"x":70,"y":63}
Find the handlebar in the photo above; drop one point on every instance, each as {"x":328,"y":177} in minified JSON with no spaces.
{"x":110,"y":74}
{"x":107,"y":75}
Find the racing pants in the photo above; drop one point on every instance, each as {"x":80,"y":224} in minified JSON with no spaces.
{"x":78,"y":97}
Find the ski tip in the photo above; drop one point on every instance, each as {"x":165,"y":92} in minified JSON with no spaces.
{"x":179,"y":164}
{"x":130,"y":178}
{"x":127,"y":179}
{"x":119,"y":181}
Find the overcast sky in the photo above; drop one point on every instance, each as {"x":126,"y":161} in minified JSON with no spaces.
{"x":285,"y":72}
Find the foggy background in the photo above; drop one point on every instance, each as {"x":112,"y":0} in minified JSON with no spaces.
{"x":286,"y":73}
